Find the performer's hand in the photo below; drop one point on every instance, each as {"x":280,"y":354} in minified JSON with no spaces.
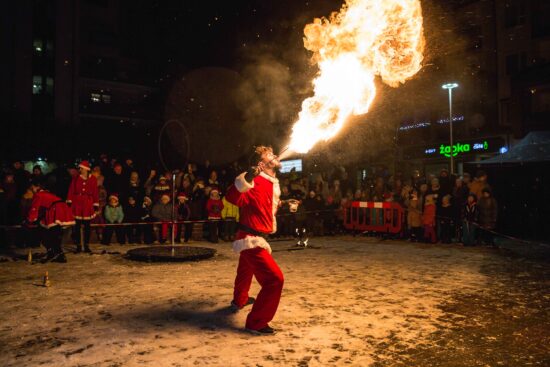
{"x":252,"y":172}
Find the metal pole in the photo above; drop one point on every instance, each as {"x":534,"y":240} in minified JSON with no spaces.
{"x":451,"y":127}
{"x":173,"y":211}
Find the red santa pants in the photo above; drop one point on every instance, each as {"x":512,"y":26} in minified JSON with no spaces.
{"x":259,"y":263}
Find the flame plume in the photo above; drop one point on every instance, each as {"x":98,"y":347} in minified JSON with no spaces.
{"x":365,"y":39}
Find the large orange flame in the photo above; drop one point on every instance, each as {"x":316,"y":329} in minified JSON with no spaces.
{"x":365,"y":39}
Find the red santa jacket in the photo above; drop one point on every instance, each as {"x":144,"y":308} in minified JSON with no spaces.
{"x":83,"y":197}
{"x":214,"y":208}
{"x":49,"y":210}
{"x":258,"y":203}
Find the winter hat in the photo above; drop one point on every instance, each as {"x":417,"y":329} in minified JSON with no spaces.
{"x":182,"y":195}
{"x":113,"y":196}
{"x":162,"y":178}
{"x":215,"y":189}
{"x":85,"y":165}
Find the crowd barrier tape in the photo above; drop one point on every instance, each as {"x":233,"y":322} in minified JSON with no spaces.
{"x":371,"y":216}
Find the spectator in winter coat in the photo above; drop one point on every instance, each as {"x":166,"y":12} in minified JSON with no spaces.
{"x":132,"y":214}
{"x":488,"y":211}
{"x":146,"y":216}
{"x":469,"y":219}
{"x":183,"y":213}
{"x":113,"y":214}
{"x":460,"y":195}
{"x":162,"y":212}
{"x":135,"y":189}
{"x":445,"y":219}
{"x":102,"y":196}
{"x":161,"y":188}
{"x":428,"y":219}
{"x":214,"y":207}
{"x":230,"y":216}
{"x":11,"y":200}
{"x":117,"y":182}
{"x":480,"y":183}
{"x":414,"y":217}
{"x":446,"y":182}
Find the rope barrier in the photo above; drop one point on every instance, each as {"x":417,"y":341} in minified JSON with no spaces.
{"x":300,"y":213}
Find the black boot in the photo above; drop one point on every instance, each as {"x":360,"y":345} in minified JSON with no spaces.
{"x":87,"y":249}
{"x":78,"y":248}
{"x":59,"y":258}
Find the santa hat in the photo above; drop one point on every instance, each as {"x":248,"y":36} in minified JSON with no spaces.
{"x":182,"y":195}
{"x":162,"y":178}
{"x":214,"y":189}
{"x":85,"y":165}
{"x":113,"y":196}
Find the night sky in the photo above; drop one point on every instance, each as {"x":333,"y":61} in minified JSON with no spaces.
{"x":172,"y":35}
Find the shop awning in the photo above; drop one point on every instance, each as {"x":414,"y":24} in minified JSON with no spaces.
{"x":533,"y":148}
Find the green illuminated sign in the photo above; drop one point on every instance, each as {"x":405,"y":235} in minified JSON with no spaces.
{"x":457,"y":148}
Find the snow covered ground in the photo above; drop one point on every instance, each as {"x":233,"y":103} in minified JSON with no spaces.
{"x":354,"y":301}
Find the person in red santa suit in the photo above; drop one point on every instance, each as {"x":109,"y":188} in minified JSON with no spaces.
{"x":83,"y":198}
{"x":256,"y":193}
{"x":52,"y":214}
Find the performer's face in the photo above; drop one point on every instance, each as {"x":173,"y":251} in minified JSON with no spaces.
{"x":271,"y":160}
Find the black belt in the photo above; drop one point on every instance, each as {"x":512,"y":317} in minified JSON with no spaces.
{"x":252,"y":231}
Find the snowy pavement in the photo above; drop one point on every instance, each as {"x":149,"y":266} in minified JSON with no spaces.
{"x":353,"y":301}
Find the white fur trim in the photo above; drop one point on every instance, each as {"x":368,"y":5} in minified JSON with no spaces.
{"x":275,"y":203}
{"x":269,"y":178}
{"x":251,"y":242}
{"x":241,"y":184}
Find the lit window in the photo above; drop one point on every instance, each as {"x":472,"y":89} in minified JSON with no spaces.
{"x":95,"y":97}
{"x":37,"y":45}
{"x":36,"y":84}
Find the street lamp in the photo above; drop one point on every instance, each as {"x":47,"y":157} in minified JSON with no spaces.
{"x":450,"y":87}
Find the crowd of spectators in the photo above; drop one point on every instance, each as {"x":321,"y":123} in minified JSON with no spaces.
{"x":445,"y":208}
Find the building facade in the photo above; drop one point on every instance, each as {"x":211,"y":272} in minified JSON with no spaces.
{"x":70,"y":73}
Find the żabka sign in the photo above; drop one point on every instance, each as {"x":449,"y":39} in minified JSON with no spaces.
{"x":447,"y":151}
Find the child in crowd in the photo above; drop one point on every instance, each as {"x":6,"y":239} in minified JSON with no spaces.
{"x":132,"y":214}
{"x":214,"y":207}
{"x":184,"y":213}
{"x":445,"y":219}
{"x":113,"y":214}
{"x":414,"y":217}
{"x":146,"y":216}
{"x":469,"y":217}
{"x":162,"y":212}
{"x":428,"y":219}
{"x":161,"y":188}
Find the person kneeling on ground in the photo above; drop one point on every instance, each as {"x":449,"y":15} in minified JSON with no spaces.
{"x":52,"y":214}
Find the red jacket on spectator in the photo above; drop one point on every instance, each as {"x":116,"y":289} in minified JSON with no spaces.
{"x":428,"y":217}
{"x":49,"y":210}
{"x":214,"y":208}
{"x":83,"y":197}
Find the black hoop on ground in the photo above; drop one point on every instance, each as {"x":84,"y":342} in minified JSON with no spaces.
{"x":170,"y":254}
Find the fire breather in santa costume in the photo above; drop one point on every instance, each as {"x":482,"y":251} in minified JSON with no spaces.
{"x":258,"y":200}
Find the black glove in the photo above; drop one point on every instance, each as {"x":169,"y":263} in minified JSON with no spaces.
{"x":251,"y":174}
